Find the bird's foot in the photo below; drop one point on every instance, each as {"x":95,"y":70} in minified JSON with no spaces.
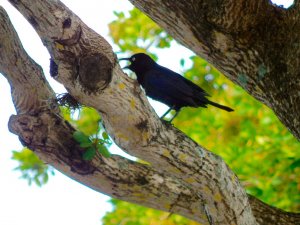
{"x":166,"y":122}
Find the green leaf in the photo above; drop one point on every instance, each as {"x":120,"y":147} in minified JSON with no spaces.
{"x":86,"y":144}
{"x":105,"y":136}
{"x":88,"y":121}
{"x":81,"y":137}
{"x":89,"y":153}
{"x":37,"y":181}
{"x":45,"y":178}
{"x":103,"y":151}
{"x":182,"y":62}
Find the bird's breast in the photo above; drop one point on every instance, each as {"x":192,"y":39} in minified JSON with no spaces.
{"x":141,"y":79}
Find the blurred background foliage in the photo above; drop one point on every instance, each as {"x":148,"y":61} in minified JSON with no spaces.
{"x":134,"y":32}
{"x":251,"y":140}
{"x":125,"y":213}
{"x":31,"y":167}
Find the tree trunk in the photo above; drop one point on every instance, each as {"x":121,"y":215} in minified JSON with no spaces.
{"x":182,"y":178}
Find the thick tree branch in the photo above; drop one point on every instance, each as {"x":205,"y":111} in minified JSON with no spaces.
{"x":254,"y":43}
{"x":88,"y":69}
{"x":116,"y":176}
{"x":271,"y":215}
{"x":297,"y":4}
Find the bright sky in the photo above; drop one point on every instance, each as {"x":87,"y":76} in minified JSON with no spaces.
{"x":62,"y":200}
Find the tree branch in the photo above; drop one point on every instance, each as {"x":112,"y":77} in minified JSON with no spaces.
{"x":116,"y":176}
{"x":254,"y":43}
{"x":269,"y":215}
{"x":199,"y":181}
{"x":40,"y":127}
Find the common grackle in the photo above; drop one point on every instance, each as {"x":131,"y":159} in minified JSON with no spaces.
{"x":168,"y":87}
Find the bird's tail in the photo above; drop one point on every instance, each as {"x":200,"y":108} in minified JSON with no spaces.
{"x":220,"y":106}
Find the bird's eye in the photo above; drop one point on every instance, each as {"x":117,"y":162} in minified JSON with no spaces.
{"x":133,"y":59}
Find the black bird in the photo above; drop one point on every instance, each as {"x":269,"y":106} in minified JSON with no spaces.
{"x":168,"y":87}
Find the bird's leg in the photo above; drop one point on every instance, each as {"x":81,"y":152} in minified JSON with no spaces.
{"x":166,"y":113}
{"x":177,"y":111}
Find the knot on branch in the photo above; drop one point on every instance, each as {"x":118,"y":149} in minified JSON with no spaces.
{"x":71,"y":35}
{"x":29,"y":128}
{"x":95,"y":72}
{"x":43,"y":133}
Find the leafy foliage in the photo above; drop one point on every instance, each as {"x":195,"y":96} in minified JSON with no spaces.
{"x":252,"y":141}
{"x":131,"y":214}
{"x":137,"y":33}
{"x":90,"y":133}
{"x":92,"y":144}
{"x":31,"y":167}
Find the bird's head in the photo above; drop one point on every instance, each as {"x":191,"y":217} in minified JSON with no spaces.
{"x":140,"y":62}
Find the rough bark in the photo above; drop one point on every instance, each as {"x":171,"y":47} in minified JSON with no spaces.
{"x":182,"y":178}
{"x":272,"y":215}
{"x":254,"y":43}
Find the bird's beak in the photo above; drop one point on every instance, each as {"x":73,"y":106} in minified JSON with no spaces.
{"x":128,"y":59}
{"x":126,"y":67}
{"x":124,"y":59}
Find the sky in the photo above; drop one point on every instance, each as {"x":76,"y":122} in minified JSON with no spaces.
{"x":61,"y":200}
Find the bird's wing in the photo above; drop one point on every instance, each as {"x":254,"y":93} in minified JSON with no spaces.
{"x":172,"y":83}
